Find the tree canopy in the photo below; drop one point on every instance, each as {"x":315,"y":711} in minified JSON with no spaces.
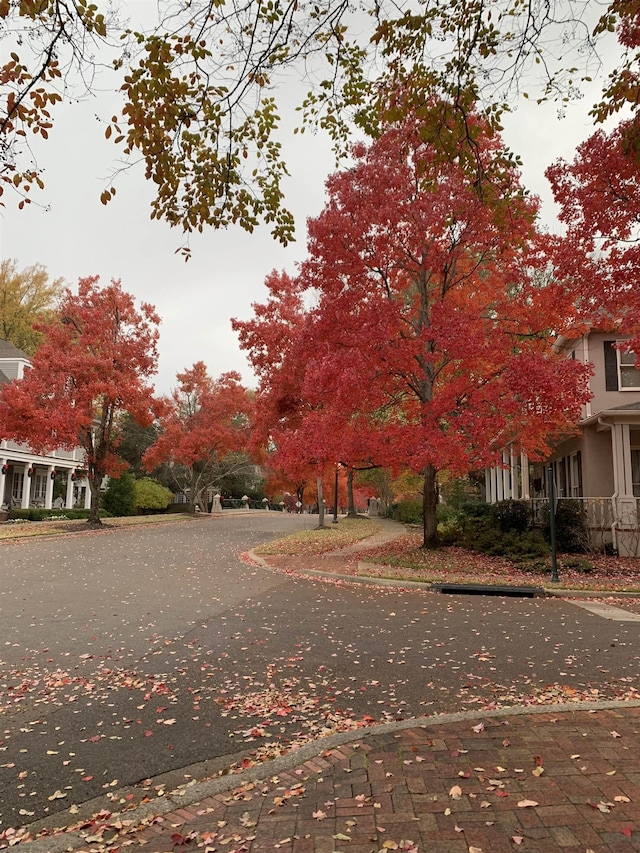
{"x":201,"y":427}
{"x":428,"y":344}
{"x":97,"y":355}
{"x":26,"y":297}
{"x":200,"y":84}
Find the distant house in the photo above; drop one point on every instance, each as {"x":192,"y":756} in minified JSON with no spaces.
{"x":599,"y":465}
{"x":29,"y":480}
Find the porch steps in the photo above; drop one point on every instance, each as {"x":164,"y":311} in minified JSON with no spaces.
{"x":488,"y":589}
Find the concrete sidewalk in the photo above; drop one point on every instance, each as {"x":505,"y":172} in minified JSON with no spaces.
{"x":547,"y":780}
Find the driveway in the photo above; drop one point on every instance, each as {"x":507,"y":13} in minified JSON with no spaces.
{"x":135,"y":653}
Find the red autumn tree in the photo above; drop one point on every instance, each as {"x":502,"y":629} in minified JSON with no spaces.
{"x":279,"y":341}
{"x":202,"y":424}
{"x":94,"y":364}
{"x":599,"y":195}
{"x":436,"y":309}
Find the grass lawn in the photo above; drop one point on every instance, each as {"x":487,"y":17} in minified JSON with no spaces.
{"x":404,"y":559}
{"x":30,"y":529}
{"x":332,"y":537}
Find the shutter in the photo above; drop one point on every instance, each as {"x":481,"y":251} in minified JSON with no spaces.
{"x":610,"y":366}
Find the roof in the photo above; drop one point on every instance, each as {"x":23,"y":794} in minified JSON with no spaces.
{"x":8,"y":350}
{"x":629,"y":409}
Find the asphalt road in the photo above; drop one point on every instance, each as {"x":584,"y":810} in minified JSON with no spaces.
{"x":128,"y":654}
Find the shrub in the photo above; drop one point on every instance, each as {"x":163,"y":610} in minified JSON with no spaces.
{"x":407,"y":512}
{"x":572,"y":533}
{"x":38,"y":514}
{"x":150,"y":495}
{"x":119,"y":497}
{"x":512,"y":515}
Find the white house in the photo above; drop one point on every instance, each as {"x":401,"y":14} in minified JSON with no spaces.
{"x":26,"y":479}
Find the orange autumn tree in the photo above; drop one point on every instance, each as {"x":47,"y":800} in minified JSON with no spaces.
{"x":202,"y":424}
{"x":430,"y":341}
{"x":97,"y":355}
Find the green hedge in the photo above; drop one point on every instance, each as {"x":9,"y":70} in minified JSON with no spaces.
{"x":37,"y":514}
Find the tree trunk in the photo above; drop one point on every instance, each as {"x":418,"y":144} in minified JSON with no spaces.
{"x":192,"y":493}
{"x":320,"y":505}
{"x":429,"y":504}
{"x":95,"y":481}
{"x":351,"y":512}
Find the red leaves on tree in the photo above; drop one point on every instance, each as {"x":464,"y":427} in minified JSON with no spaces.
{"x":201,"y":422}
{"x":599,"y":194}
{"x":436,"y":306}
{"x":97,"y":355}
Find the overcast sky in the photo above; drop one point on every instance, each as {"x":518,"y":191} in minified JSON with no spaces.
{"x":78,"y":236}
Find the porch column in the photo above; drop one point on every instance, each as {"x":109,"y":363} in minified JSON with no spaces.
{"x":513,"y":469}
{"x":524,"y":474}
{"x":87,"y":495}
{"x":487,"y":485}
{"x":48,"y":491}
{"x":506,"y":487}
{"x":68,"y":502}
{"x":626,"y":509}
{"x":26,"y":487}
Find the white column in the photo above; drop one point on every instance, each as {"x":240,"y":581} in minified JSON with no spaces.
{"x":69,"y":496}
{"x":26,"y":487}
{"x":48,"y":492}
{"x":513,"y":469}
{"x":494,"y":485}
{"x":487,"y":485}
{"x":524,"y":473}
{"x":87,"y":494}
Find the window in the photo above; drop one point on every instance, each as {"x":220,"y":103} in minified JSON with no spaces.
{"x":40,"y":487}
{"x":635,"y":470}
{"x":628,"y":372}
{"x":16,"y":486}
{"x":620,"y":371}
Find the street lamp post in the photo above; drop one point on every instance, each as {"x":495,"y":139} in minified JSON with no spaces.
{"x":335,"y":497}
{"x":552,"y":526}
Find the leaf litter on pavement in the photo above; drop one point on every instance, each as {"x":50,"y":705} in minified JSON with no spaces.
{"x":291,"y":699}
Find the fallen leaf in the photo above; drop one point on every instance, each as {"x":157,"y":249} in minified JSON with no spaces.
{"x":538,"y":771}
{"x":622,"y":799}
{"x":57,"y":795}
{"x":319,"y":815}
{"x":479,"y":727}
{"x":517,"y":839}
{"x":456,"y":792}
{"x":527,"y":804}
{"x":615,"y":734}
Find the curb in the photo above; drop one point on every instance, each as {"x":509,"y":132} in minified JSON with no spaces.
{"x":198,"y":791}
{"x":428,"y":586}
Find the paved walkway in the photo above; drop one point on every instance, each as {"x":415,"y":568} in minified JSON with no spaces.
{"x":556,"y":780}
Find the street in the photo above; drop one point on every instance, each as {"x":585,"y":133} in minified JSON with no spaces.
{"x":132,"y":653}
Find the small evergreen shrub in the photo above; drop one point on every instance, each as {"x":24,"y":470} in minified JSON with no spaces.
{"x":38,"y":514}
{"x":407,"y":512}
{"x":119,"y":498}
{"x":512,"y":515}
{"x":572,"y":533}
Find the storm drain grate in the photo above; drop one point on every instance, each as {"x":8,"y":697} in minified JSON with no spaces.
{"x":486,"y":589}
